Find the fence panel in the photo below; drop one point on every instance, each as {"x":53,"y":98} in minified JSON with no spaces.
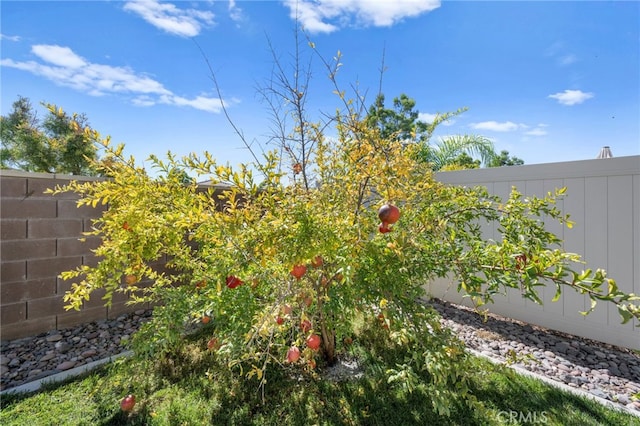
{"x":603,"y":199}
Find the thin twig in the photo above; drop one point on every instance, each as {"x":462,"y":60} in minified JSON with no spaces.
{"x":238,"y":132}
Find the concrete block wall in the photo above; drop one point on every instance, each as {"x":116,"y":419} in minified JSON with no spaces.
{"x":39,"y":239}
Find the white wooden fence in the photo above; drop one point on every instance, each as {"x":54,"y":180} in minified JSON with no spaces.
{"x":603,"y":199}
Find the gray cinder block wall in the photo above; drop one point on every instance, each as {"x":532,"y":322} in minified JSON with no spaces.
{"x":40,"y":239}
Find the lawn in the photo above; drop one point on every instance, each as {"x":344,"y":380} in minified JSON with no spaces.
{"x":192,"y":388}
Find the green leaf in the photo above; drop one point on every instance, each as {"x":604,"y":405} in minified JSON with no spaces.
{"x":625,"y":314}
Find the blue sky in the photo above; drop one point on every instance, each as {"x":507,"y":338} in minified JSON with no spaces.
{"x":547,"y":81}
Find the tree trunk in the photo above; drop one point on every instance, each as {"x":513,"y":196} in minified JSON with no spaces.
{"x":328,"y":344}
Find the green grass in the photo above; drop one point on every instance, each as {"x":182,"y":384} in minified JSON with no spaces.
{"x":194,"y":390}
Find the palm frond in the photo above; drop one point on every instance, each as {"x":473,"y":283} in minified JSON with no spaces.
{"x":449,"y":148}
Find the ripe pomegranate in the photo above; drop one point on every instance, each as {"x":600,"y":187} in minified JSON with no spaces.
{"x":298,"y":271}
{"x":389,"y":214}
{"x":293,"y":354}
{"x":384,"y":228}
{"x":233,"y":281}
{"x":521,"y":261}
{"x":313,"y":342}
{"x":206,"y":319}
{"x":307,"y":300}
{"x":213,"y":344}
{"x":287,"y":309}
{"x":127,"y":403}
{"x":130,"y":279}
{"x":279,"y":320}
{"x":324,"y":281}
{"x":305,"y":325}
{"x":317,"y":261}
{"x":383,"y":321}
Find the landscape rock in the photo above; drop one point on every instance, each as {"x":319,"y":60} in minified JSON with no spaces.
{"x":66,"y":365}
{"x":600,"y":369}
{"x":54,"y":338}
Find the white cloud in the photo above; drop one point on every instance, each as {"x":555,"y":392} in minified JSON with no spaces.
{"x":311,"y":15}
{"x":558,"y":51}
{"x":10,"y":38}
{"x":555,"y":49}
{"x":567,"y":59}
{"x":169,"y":18}
{"x":510,"y":126}
{"x":426,"y":117}
{"x":315,"y":14}
{"x":234,"y":11}
{"x":537,"y":131}
{"x":202,"y":103}
{"x":495,"y":126}
{"x":571,"y":97}
{"x":58,"y":55}
{"x":429,"y":118}
{"x":143,"y":101}
{"x":64,"y":67}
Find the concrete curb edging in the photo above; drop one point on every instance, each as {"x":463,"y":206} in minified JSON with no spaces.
{"x":63,"y":375}
{"x":556,"y":384}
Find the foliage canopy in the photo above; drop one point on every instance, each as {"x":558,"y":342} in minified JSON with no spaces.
{"x":60,"y":143}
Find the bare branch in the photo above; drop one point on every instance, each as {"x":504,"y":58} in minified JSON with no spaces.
{"x":237,"y":130}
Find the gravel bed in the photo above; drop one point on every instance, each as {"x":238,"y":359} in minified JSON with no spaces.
{"x":606,"y":371}
{"x":32,"y":358}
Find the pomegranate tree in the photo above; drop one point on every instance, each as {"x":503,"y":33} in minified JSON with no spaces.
{"x":307,"y":247}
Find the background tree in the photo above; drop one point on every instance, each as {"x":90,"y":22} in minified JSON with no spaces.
{"x":462,"y":162}
{"x":402,"y":123}
{"x":20,"y":140}
{"x":503,"y":159}
{"x":61,"y":143}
